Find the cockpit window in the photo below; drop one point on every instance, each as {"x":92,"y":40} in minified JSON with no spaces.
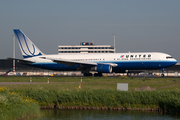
{"x":169,"y":57}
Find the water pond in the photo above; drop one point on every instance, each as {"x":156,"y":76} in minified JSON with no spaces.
{"x":56,"y":114}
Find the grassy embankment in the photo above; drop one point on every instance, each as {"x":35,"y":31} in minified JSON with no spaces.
{"x":101,"y":92}
{"x":16,"y":106}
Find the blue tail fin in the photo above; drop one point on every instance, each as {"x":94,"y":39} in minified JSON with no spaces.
{"x":27,"y":47}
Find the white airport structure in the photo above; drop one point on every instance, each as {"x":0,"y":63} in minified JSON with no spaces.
{"x":85,"y":47}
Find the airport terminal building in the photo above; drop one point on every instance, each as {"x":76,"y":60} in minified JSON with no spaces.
{"x":85,"y":47}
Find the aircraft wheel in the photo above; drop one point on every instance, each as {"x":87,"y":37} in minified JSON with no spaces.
{"x":100,"y":74}
{"x":87,"y":74}
{"x":162,"y":75}
{"x":97,"y":74}
{"x":90,"y":74}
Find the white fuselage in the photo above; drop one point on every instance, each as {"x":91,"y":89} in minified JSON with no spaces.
{"x":124,"y":61}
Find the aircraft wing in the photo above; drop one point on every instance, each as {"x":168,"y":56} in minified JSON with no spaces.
{"x":72,"y":63}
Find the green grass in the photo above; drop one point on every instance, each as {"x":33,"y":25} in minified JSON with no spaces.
{"x":110,"y":83}
{"x":86,"y":79}
{"x":16,"y":106}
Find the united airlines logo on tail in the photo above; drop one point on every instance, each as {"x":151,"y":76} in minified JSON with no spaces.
{"x":27,"y":47}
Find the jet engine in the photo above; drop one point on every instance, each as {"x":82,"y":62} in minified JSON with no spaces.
{"x":103,"y":68}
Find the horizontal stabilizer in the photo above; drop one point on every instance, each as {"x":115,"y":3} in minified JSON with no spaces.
{"x":22,"y":60}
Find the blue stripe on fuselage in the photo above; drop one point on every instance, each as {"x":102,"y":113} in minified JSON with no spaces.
{"x":130,"y":65}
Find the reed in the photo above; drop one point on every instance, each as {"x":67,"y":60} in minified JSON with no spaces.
{"x":164,"y":100}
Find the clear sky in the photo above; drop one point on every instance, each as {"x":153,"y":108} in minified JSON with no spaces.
{"x":140,"y":25}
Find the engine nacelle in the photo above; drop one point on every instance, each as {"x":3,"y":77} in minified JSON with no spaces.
{"x":103,"y":68}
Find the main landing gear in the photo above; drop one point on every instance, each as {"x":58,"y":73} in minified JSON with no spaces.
{"x":162,"y":70}
{"x":95,"y":74}
{"x":87,"y":74}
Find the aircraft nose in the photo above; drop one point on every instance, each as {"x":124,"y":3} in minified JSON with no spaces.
{"x":175,"y":61}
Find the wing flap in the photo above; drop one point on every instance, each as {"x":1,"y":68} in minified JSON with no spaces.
{"x":70,"y":62}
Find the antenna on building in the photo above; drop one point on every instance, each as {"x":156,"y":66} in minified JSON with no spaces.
{"x":114,"y":43}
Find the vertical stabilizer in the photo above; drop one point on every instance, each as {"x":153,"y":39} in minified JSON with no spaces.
{"x":28,"y":48}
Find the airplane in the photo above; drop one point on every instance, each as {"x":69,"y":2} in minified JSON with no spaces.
{"x":98,"y":62}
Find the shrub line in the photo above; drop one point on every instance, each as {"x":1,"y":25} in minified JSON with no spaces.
{"x":110,"y":108}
